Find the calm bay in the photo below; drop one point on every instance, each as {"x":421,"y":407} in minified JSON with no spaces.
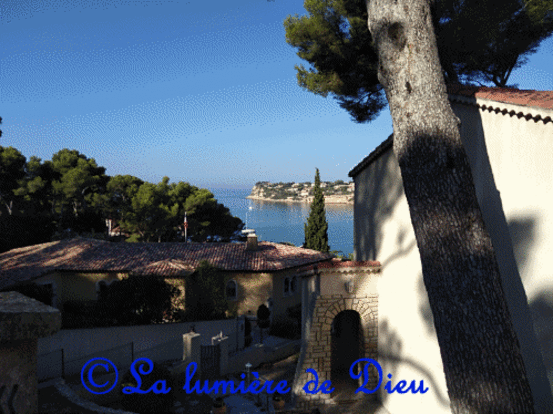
{"x":283,"y":222}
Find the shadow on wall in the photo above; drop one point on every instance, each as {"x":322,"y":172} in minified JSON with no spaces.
{"x":522,"y":231}
{"x":386,"y":181}
{"x":542,"y":313}
{"x":390,"y":355}
{"x":402,"y":249}
{"x":512,"y":242}
{"x":378,"y":190}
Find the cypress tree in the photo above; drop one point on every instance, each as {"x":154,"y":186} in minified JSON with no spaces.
{"x":316,"y":229}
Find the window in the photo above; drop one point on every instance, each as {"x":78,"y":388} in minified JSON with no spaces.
{"x":286,"y":286}
{"x":293,"y":285}
{"x":50,"y":287}
{"x":231,"y":289}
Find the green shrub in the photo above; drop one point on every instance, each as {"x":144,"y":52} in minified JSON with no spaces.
{"x":263,"y":315}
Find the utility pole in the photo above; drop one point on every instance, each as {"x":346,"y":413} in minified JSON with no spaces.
{"x":185,"y":229}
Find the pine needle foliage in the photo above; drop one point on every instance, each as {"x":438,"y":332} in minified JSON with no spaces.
{"x":316,"y":228}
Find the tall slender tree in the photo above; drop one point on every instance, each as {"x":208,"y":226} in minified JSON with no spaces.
{"x":480,"y":352}
{"x":316,"y":228}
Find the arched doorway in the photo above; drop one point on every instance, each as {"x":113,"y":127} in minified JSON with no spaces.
{"x":346,"y":347}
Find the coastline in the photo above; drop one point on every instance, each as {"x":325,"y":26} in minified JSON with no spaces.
{"x":328,"y":200}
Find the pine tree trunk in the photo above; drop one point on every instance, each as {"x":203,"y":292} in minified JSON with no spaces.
{"x":480,"y":352}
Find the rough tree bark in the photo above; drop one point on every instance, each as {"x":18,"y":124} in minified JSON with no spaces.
{"x":481,"y":355}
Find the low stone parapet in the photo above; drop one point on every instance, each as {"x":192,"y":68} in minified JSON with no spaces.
{"x":22,"y":321}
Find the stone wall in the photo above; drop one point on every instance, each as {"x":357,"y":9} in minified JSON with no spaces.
{"x":317,"y":354}
{"x":22,"y":322}
{"x":78,"y":343}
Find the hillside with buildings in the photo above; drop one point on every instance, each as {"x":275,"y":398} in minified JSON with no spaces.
{"x":337,"y":192}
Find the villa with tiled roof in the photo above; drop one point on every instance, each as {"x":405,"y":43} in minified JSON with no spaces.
{"x":257,"y":272}
{"x":508,"y":138}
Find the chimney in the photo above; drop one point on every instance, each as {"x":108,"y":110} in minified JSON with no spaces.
{"x":252,"y":242}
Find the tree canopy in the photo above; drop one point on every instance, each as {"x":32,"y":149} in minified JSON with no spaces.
{"x":71,"y":194}
{"x":478,"y":41}
{"x":12,"y":171}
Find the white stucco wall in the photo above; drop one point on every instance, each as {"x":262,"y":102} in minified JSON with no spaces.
{"x":513,"y":174}
{"x":513,"y":171}
{"x":407,"y":344}
{"x":521,"y":156}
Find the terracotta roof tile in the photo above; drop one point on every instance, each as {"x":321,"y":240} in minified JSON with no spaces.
{"x":526,"y":98}
{"x":33,"y":261}
{"x":164,"y":259}
{"x":530,"y":98}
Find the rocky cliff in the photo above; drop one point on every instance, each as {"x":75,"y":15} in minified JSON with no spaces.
{"x":337,"y":192}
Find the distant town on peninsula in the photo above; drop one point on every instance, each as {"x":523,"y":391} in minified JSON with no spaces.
{"x":337,"y":192}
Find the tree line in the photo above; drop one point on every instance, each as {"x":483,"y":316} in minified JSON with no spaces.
{"x":71,"y":194}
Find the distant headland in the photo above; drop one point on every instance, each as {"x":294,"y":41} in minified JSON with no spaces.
{"x":337,"y":192}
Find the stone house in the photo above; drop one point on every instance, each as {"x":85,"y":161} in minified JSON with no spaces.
{"x":340,"y":326}
{"x":76,"y":270}
{"x":508,"y":137}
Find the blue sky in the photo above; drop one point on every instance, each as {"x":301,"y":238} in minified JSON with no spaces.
{"x":200,"y":91}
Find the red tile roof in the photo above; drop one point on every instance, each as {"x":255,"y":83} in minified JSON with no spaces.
{"x":164,"y":259}
{"x":531,"y":98}
{"x":531,"y":103}
{"x":527,"y":99}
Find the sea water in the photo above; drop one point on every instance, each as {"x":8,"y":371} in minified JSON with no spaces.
{"x":284,"y":222}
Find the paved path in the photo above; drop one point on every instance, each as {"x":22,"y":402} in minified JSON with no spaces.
{"x":267,"y":339}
